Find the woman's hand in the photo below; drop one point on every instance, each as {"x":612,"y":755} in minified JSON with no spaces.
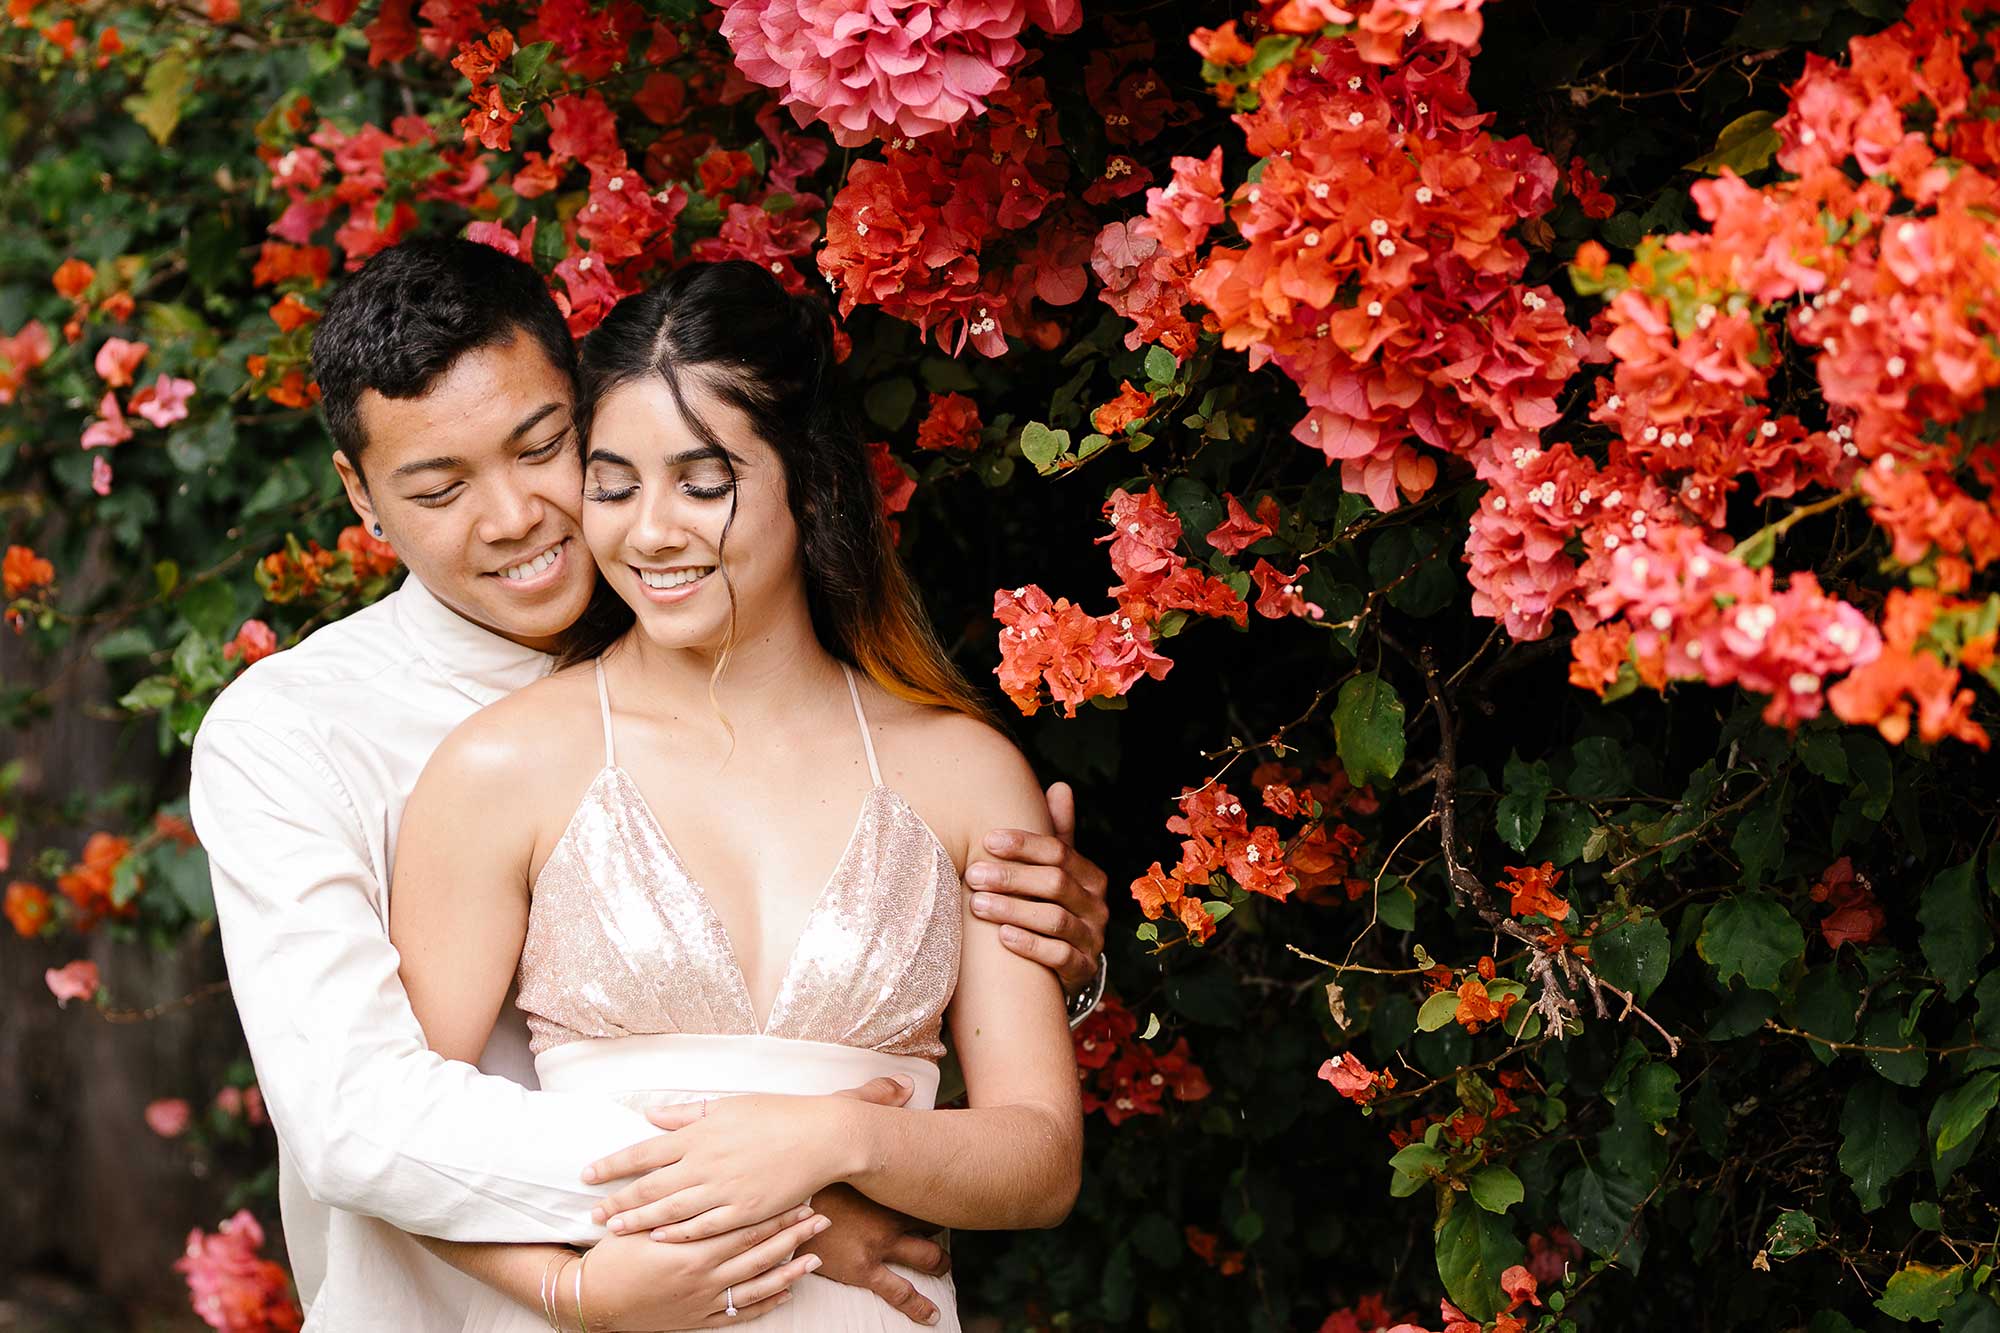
{"x":632,"y":1284}
{"x":725,"y":1163}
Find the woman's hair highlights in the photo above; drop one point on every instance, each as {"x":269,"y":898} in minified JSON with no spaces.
{"x":736,"y":331}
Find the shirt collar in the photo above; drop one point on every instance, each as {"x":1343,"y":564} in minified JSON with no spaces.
{"x":479,"y":663}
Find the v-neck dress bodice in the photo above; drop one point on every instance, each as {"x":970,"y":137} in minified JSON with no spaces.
{"x":623,"y":940}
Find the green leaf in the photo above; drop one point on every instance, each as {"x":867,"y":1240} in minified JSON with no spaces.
{"x":1396,"y":907}
{"x":1042,"y":446}
{"x":185,"y":872}
{"x":1823,"y":756}
{"x":1921,"y":1292}
{"x":150,"y":695}
{"x":888,"y":402}
{"x":1474,"y":1247}
{"x":1792,"y":1235}
{"x":1161,"y":368}
{"x":1973,"y":1312}
{"x":1964,"y":1110}
{"x":1633,"y":957}
{"x":1759,"y":841}
{"x":1600,"y":1209}
{"x":1746,"y":144}
{"x":1655,"y":1093}
{"x":1884,"y":1028}
{"x":1519,"y":813}
{"x":1956,"y":935}
{"x":1438,"y":1011}
{"x":1601,"y":768}
{"x":163,"y":96}
{"x":1878,"y":1141}
{"x":1926,"y":1215}
{"x":1368,"y":730}
{"x":1495,"y":1188}
{"x":1751,"y":935}
{"x":198,"y":446}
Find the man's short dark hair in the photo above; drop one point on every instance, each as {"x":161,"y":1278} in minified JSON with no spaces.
{"x":412,"y":311}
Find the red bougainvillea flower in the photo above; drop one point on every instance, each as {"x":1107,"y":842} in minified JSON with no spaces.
{"x":372,"y":557}
{"x":1853,"y":915}
{"x":22,"y":572}
{"x":279,"y":262}
{"x":118,"y":359}
{"x":1076,"y":656}
{"x":1279,"y":595}
{"x":873,"y":68}
{"x":89,"y":883}
{"x":896,"y":485}
{"x":109,"y":426}
{"x":169,"y":1117}
{"x":231,"y":1286}
{"x":20,"y":353}
{"x":1355,"y":1080}
{"x":1130,"y":407}
{"x":73,"y":278}
{"x":72,"y":981}
{"x":1239,"y":531}
{"x":951,"y":422}
{"x":164,"y":401}
{"x":254,"y":642}
{"x":29,"y":908}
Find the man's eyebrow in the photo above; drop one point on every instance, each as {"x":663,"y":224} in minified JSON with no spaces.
{"x":445,"y":463}
{"x":532,"y":420}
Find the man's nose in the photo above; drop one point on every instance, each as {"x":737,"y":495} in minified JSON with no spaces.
{"x":512,"y":513}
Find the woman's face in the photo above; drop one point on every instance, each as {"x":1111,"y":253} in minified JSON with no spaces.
{"x":656,"y":499}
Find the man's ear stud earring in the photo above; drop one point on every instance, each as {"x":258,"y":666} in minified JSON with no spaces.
{"x":378,"y":529}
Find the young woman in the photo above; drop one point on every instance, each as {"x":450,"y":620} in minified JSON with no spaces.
{"x":720,"y":849}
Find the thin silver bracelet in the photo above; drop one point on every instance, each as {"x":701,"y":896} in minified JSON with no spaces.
{"x":1086,"y":1002}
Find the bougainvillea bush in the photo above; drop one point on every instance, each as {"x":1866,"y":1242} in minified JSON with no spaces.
{"x":1492,"y":505}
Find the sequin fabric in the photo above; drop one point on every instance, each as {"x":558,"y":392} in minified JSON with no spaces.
{"x":622,"y":940}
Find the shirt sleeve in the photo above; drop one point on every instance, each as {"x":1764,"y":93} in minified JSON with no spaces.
{"x":378,"y":1123}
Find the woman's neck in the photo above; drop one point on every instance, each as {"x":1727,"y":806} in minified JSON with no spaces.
{"x":767,"y":672}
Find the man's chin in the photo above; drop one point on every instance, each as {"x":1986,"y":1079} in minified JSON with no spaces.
{"x":534,"y":620}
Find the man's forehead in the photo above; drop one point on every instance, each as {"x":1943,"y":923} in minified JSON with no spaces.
{"x":484,"y":399}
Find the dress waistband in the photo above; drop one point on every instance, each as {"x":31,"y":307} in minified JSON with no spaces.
{"x":721,"y":1065}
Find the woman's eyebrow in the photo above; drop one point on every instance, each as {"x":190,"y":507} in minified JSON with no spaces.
{"x":606,"y":456}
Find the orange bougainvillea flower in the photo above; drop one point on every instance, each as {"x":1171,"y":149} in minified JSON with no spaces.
{"x":1533,"y":890}
{"x":1131,"y":405}
{"x":29,"y":908}
{"x":1476,"y":1006}
{"x":22,"y":571}
{"x":292,"y":313}
{"x":1355,"y":1080}
{"x":372,"y":556}
{"x":73,"y":278}
{"x":951,"y":423}
{"x":89,"y":883}
{"x":62,"y":36}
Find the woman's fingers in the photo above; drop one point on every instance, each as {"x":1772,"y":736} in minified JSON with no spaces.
{"x":743,"y":1239}
{"x":743,"y":1312}
{"x":777,"y":1250}
{"x":772,"y":1281}
{"x":663,"y":1208}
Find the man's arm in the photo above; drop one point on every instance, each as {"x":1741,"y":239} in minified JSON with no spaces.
{"x":378,"y":1123}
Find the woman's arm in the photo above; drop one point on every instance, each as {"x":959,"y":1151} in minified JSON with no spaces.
{"x":1011,"y":1160}
{"x":458,"y":902}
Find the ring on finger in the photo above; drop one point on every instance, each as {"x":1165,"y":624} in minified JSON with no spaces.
{"x":729,"y":1301}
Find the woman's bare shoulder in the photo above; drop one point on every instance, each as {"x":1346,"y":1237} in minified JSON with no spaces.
{"x":959,"y":771}
{"x":540,"y":729}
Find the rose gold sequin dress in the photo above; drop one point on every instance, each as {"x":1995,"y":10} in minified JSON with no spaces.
{"x":632,"y":989}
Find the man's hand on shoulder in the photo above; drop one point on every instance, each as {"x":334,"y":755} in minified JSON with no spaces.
{"x":1048,"y":899}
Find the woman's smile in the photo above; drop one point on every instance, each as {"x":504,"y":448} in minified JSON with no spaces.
{"x":674,"y":584}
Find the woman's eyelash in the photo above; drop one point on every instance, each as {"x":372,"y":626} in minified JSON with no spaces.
{"x":603,"y":496}
{"x":711,"y":492}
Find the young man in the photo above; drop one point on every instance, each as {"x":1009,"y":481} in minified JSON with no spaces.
{"x":448,"y":383}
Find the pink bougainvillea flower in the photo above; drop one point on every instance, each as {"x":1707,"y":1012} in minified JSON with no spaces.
{"x":164,"y":401}
{"x":1239,"y":530}
{"x":72,"y":981}
{"x":254,"y":642}
{"x":231,"y":1286}
{"x":869,"y":69}
{"x":100,"y":475}
{"x":20,"y":353}
{"x":168,"y":1117}
{"x":118,"y":359}
{"x":109,"y":427}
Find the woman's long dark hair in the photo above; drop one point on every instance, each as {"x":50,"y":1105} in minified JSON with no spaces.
{"x":735,"y":331}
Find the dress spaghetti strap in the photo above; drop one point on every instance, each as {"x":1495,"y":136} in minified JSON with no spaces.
{"x":867,"y":741}
{"x":604,"y":706}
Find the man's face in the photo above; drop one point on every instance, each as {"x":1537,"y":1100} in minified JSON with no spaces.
{"x":477,"y":485}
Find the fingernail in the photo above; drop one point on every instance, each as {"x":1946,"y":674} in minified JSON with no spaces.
{"x":981,"y":873}
{"x":590,"y":1175}
{"x":903,"y":1081}
{"x":812,"y":1263}
{"x":1013,"y":935}
{"x":933,"y":1318}
{"x":820,"y":1226}
{"x":982,"y":904}
{"x":661,"y":1235}
{"x":617,"y":1226}
{"x":804,"y":1211}
{"x":999,"y":842}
